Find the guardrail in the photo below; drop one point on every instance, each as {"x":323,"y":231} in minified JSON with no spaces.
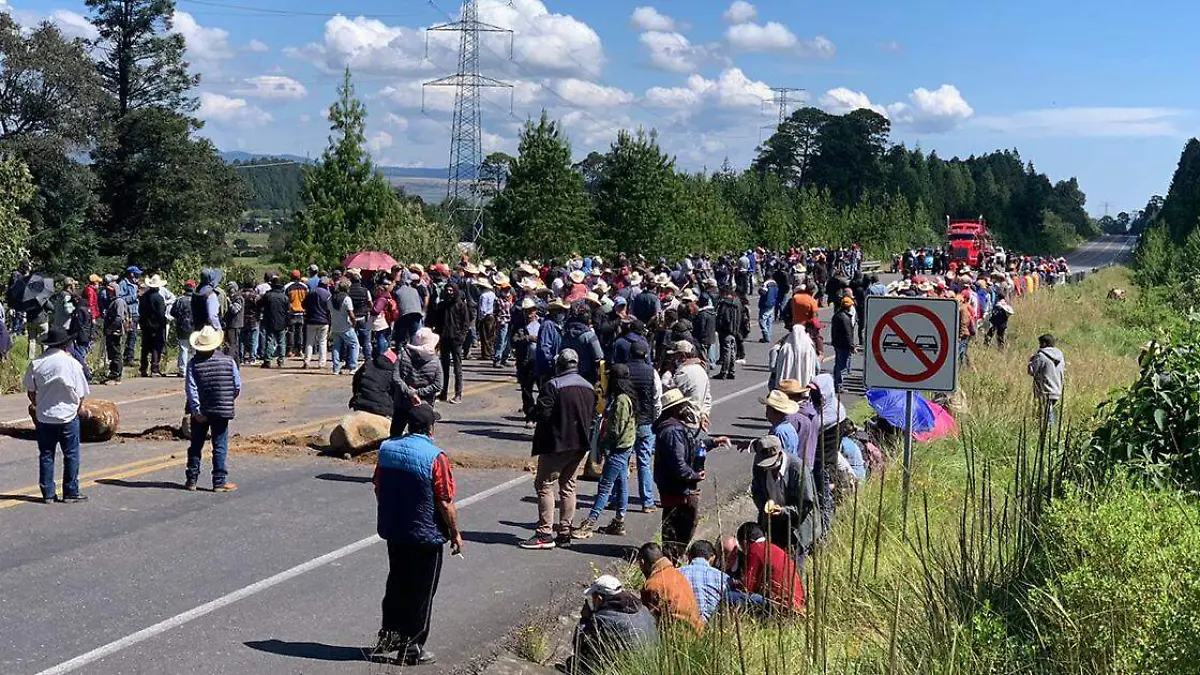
{"x":872,"y":265}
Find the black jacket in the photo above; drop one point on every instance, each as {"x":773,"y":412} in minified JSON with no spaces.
{"x":620,"y":624}
{"x":675,"y":455}
{"x":373,"y":387}
{"x":842,"y":330}
{"x":451,"y":319}
{"x":275,"y":310}
{"x":565,"y":411}
{"x":152,"y":311}
{"x":642,"y":375}
{"x":704,"y":326}
{"x":729,"y":315}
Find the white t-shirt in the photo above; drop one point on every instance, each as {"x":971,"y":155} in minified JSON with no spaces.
{"x":340,"y":318}
{"x":57,"y":379}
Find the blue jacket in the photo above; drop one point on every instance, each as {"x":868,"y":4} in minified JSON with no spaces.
{"x":768,"y":296}
{"x":128,"y":291}
{"x":407,"y":510}
{"x":548,"y":345}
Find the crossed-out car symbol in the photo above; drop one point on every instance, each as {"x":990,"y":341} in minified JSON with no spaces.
{"x":926,"y":343}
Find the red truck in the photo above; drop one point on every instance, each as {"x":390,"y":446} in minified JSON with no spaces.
{"x":970,"y":243}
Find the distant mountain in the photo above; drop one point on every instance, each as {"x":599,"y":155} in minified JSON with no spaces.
{"x":389,"y":171}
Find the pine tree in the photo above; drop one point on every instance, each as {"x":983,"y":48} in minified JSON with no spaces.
{"x":638,"y":198}
{"x":1181,"y":210}
{"x":543,"y":211}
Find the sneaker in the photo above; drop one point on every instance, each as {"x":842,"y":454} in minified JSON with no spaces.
{"x":74,"y":499}
{"x":585,"y":530}
{"x":650,"y":508}
{"x":456,"y":400}
{"x":614,"y":529}
{"x":563,"y":540}
{"x":190,"y":485}
{"x":225,"y":487}
{"x":538,"y":542}
{"x":48,"y":500}
{"x":422,"y":657}
{"x":740,"y":362}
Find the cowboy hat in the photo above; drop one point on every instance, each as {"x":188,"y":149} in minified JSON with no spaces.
{"x":792,"y":387}
{"x":682,"y":347}
{"x":526,"y":268}
{"x":688,"y":296}
{"x":635,"y":279}
{"x":94,"y":279}
{"x":483,"y":282}
{"x":527,"y":304}
{"x":576,"y":276}
{"x":502,"y":279}
{"x":528,"y":284}
{"x":559,"y":303}
{"x":593,"y":298}
{"x":597,"y":272}
{"x":55,"y":337}
{"x":673,"y":398}
{"x":206,"y":339}
{"x":779,"y":402}
{"x":488,"y":264}
{"x":661,"y":279}
{"x":155,"y":281}
{"x":416,"y":267}
{"x":470,"y":268}
{"x":601,"y":287}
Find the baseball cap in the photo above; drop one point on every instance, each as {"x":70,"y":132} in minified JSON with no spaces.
{"x":620,"y":301}
{"x":606,"y":585}
{"x":682,"y":347}
{"x":768,"y":451}
{"x":568,"y":356}
{"x":423,"y":415}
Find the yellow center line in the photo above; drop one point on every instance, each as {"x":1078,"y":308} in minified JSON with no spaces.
{"x":170,"y":462}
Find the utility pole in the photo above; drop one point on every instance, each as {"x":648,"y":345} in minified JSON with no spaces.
{"x":466,"y":135}
{"x":1105,"y":205}
{"x":781,"y":97}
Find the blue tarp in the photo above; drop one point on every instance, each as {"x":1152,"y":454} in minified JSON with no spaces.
{"x":889,"y":405}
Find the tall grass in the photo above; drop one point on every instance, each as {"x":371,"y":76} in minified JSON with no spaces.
{"x":949,"y":591}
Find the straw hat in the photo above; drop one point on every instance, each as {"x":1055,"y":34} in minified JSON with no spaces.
{"x":593,"y":298}
{"x":925,"y":287}
{"x":688,"y":296}
{"x":792,"y":387}
{"x":597,"y":272}
{"x":673,"y":398}
{"x":779,"y":402}
{"x":559,"y":303}
{"x":416,"y":268}
{"x":635,"y":279}
{"x":661,"y":279}
{"x":601,"y":287}
{"x":471,"y":268}
{"x":483,"y":282}
{"x":682,"y":347}
{"x":526,"y":268}
{"x":528,"y":284}
{"x":488,"y":264}
{"x":502,"y":279}
{"x":527,"y":304}
{"x":206,"y":339}
{"x":155,"y":281}
{"x":94,"y":278}
{"x":576,"y":276}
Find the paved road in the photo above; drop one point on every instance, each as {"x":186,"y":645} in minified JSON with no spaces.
{"x":285,"y":576}
{"x":1107,"y":250}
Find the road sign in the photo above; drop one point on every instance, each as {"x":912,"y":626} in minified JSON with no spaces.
{"x":912,"y":343}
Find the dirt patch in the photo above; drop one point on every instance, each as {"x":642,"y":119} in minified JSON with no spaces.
{"x":465,"y":460}
{"x":163,"y":432}
{"x":275,"y":446}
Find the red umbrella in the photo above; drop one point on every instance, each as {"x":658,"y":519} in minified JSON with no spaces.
{"x":370,"y":260}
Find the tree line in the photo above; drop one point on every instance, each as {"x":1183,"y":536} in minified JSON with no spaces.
{"x":819,"y":180}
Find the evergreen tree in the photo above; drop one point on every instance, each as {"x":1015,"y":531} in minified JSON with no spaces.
{"x":1181,"y":210}
{"x":638,"y":195}
{"x":163,"y":193}
{"x":543,"y":211}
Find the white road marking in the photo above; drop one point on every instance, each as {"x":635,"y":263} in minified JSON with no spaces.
{"x":740,"y":392}
{"x":253,"y":589}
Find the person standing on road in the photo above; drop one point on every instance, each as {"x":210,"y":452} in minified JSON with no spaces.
{"x":206,"y":302}
{"x":116,"y":324}
{"x":842,"y":336}
{"x":274,"y":323}
{"x":127,"y":292}
{"x":181,"y":313}
{"x":648,"y":386}
{"x":768,"y":298}
{"x":213,"y":384}
{"x":416,"y":516}
{"x":729,"y":323}
{"x":680,"y":448}
{"x":451,"y":318}
{"x":1047,"y":367}
{"x":297,"y":291}
{"x":410,"y":307}
{"x":342,"y":325}
{"x":561,"y":440}
{"x":690,"y":377}
{"x":966,"y":327}
{"x":361,"y":301}
{"x":485,"y":322}
{"x":234,"y":321}
{"x":318,"y":310}
{"x":620,"y":436}
{"x":152,"y":319}
{"x":416,"y":379}
{"x":57,"y":388}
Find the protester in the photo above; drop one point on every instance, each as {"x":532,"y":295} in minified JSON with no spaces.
{"x":127,"y":292}
{"x":485,"y":323}
{"x":691,"y":378}
{"x":318,"y":315}
{"x":213,"y":384}
{"x":206,"y":302}
{"x":620,"y":424}
{"x":414,"y":488}
{"x":1001,"y":312}
{"x":1046,"y":367}
{"x":648,"y":386}
{"x":680,"y":448}
{"x":729,"y":323}
{"x":613,"y":621}
{"x":234,"y":320}
{"x":843,"y":339}
{"x":769,"y":571}
{"x":152,"y":320}
{"x":794,"y":358}
{"x":57,"y":388}
{"x":181,"y":314}
{"x":451,"y":318}
{"x":116,"y":325}
{"x":781,"y":487}
{"x":417,"y":378}
{"x":667,"y":593}
{"x":779,"y":410}
{"x":274,"y":309}
{"x":360,"y":304}
{"x":342,"y":322}
{"x":373,"y":390}
{"x":712,"y":587}
{"x":768,"y":300}
{"x":561,"y":441}
{"x":297,"y":290}
{"x":410,"y":308}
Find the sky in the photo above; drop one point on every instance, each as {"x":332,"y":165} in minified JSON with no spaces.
{"x":1089,"y":91}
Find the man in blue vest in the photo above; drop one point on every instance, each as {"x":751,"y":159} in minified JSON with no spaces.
{"x":213,"y":384}
{"x":414,"y":488}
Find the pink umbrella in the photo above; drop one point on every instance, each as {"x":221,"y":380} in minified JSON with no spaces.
{"x":370,"y":260}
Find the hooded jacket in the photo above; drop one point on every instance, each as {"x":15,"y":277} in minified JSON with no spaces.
{"x":704,"y":325}
{"x":579,"y":336}
{"x":620,"y":624}
{"x":373,"y":387}
{"x":729,"y":315}
{"x":452,"y":319}
{"x":842,"y":329}
{"x":417,"y":373}
{"x":1047,"y":367}
{"x":206,"y":304}
{"x":235,"y":314}
{"x":564,"y":415}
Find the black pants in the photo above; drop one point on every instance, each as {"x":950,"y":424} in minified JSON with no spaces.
{"x":451,"y":354}
{"x":153,"y":343}
{"x":116,"y":360}
{"x":399,"y":422}
{"x":679,"y":524}
{"x":295,"y":334}
{"x":413,"y":574}
{"x":998,"y":331}
{"x":527,"y":380}
{"x":233,"y":344}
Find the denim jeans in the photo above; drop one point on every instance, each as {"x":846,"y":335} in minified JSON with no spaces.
{"x":220,"y":444}
{"x":345,"y":343}
{"x":276,"y":347}
{"x":383,"y":339}
{"x":841,"y":366}
{"x":49,"y":437}
{"x":362,"y":329}
{"x":250,"y":350}
{"x":766,"y":318}
{"x":963,"y":343}
{"x":80,"y":352}
{"x":185,"y":354}
{"x":502,"y":344}
{"x":614,"y":484}
{"x":645,"y":464}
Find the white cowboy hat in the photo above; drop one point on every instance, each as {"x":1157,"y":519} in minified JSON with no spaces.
{"x":577,"y":276}
{"x":662,"y":279}
{"x":593,"y":298}
{"x":501,"y":279}
{"x":528,"y":303}
{"x":482,"y":282}
{"x":688,"y":296}
{"x":635,"y":278}
{"x":779,"y":401}
{"x":470,"y":268}
{"x":488,"y":264}
{"x":155,"y":281}
{"x":206,"y":339}
{"x":600,"y":286}
{"x":673,"y":398}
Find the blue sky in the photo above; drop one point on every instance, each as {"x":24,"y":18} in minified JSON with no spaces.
{"x":1089,"y":90}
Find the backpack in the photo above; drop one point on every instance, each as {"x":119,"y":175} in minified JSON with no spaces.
{"x":82,"y":326}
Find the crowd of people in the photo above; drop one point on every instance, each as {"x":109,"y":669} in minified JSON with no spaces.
{"x":614,"y":360}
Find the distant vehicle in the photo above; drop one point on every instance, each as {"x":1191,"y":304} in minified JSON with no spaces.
{"x":926,"y":343}
{"x":970,"y":243}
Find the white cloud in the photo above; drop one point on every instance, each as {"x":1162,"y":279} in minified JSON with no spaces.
{"x":272,"y":87}
{"x":396,"y":121}
{"x":590,"y":94}
{"x":740,"y":12}
{"x":305,"y":118}
{"x":548,"y":43}
{"x":1108,"y":122}
{"x":926,"y":111}
{"x":413,"y":94}
{"x":206,"y":47}
{"x":258,"y":47}
{"x":378,"y":142}
{"x":732,"y":89}
{"x":776,"y":37}
{"x":365,"y":46}
{"x":648,"y":18}
{"x":71,"y":24}
{"x":939,"y":110}
{"x":233,"y":112}
{"x":673,"y":52}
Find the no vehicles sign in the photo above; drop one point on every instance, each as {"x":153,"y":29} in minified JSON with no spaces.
{"x":912,"y":343}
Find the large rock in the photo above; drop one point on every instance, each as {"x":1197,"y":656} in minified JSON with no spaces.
{"x":98,"y":420}
{"x":359,"y":432}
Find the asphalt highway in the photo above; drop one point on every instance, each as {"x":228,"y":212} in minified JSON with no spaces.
{"x":285,"y":575}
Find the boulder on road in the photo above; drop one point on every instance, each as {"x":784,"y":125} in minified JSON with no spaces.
{"x":98,"y":420}
{"x":359,"y":432}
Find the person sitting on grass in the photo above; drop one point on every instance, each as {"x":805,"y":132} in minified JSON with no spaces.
{"x":712,"y":587}
{"x":613,"y":620}
{"x":770,"y":571}
{"x":667,"y":593}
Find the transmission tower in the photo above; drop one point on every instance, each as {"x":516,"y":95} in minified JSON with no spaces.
{"x":781,"y":97}
{"x":466,"y":135}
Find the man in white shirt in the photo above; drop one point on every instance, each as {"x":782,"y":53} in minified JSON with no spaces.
{"x":57,"y":387}
{"x":690,"y":377}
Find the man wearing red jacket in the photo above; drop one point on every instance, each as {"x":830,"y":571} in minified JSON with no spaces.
{"x":770,"y":571}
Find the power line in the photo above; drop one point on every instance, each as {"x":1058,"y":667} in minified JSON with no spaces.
{"x":287,"y":12}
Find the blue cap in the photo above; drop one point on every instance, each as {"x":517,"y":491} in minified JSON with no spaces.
{"x":620,"y":301}
{"x":133,"y":269}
